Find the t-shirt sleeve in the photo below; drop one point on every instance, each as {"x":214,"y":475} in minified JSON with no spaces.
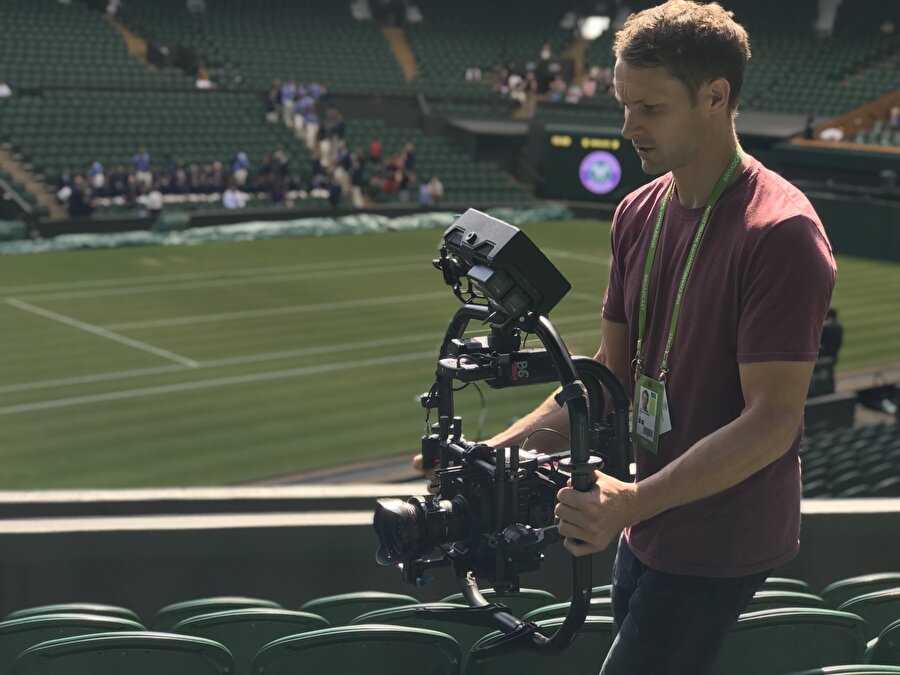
{"x":787,"y":294}
{"x":614,"y":298}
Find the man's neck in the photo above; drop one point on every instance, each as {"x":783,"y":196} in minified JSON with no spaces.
{"x":694,"y":182}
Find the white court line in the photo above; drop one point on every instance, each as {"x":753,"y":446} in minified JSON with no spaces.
{"x":219,"y":283}
{"x":102,"y":332}
{"x":212,"y":383}
{"x":275,"y":311}
{"x":118,"y":282}
{"x":434,"y":336}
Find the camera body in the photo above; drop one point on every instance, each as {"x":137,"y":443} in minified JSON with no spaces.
{"x":491,"y":513}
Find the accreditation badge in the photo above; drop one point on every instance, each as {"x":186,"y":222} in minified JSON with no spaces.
{"x":647,"y":413}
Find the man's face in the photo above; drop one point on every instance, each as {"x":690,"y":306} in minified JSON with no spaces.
{"x":661,"y":122}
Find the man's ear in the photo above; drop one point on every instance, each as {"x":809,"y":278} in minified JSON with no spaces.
{"x":718,"y":91}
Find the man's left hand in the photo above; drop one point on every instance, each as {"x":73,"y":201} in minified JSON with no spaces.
{"x":591,"y":520}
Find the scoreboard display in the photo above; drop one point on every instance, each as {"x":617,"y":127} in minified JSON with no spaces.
{"x":588,"y":164}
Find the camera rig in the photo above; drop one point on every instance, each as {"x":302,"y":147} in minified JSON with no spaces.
{"x":493,"y":514}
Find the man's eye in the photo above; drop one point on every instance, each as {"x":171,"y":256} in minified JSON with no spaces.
{"x":651,"y":108}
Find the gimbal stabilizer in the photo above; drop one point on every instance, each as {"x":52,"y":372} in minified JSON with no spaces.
{"x":493,"y":515}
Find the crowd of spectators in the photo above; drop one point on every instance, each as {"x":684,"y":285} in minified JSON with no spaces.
{"x":147,"y":184}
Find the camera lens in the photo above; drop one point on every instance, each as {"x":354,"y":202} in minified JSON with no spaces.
{"x":413,"y":528}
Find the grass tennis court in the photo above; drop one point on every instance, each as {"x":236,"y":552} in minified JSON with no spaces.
{"x":233,"y":362}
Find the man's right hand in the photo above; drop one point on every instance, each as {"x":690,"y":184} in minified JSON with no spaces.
{"x":433,"y":483}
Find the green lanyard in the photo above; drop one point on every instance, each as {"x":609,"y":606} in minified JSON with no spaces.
{"x":651,"y":254}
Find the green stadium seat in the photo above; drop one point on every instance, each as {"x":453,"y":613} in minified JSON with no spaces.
{"x":371,"y":649}
{"x":766,"y":599}
{"x":245,"y":631}
{"x":133,"y":653}
{"x":839,"y":592}
{"x":341,"y":609}
{"x":885,"y":649}
{"x":466,"y":635}
{"x":16,"y":635}
{"x":784,"y":583}
{"x":75,"y":608}
{"x":879,"y":609}
{"x":850,"y":669}
{"x":782,"y":640}
{"x":601,"y":606}
{"x":521,"y":602}
{"x":585,"y":654}
{"x":170,"y":615}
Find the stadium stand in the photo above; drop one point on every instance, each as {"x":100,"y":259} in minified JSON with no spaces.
{"x":852,"y":462}
{"x":246,"y":46}
{"x":781,"y":632}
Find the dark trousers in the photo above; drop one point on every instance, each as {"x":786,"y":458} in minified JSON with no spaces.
{"x":670,"y":624}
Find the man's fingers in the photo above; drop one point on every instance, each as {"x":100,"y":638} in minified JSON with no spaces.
{"x":418,"y":461}
{"x":570,"y":515}
{"x":579,"y":548}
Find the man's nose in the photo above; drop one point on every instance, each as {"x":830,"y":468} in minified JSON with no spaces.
{"x":628,"y":126}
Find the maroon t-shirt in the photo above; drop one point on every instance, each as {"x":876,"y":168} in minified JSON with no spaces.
{"x":759,"y":291}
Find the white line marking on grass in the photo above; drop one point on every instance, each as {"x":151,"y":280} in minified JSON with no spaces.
{"x":434,"y":336}
{"x":347,"y":271}
{"x":275,"y":311}
{"x":102,"y":332}
{"x":87,"y":379}
{"x":196,"y":276}
{"x":210,"y":384}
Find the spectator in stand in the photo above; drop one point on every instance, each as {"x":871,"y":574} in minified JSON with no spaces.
{"x":273,"y":101}
{"x":240,"y":168}
{"x":425,"y":194}
{"x":589,"y":86}
{"x":95,"y":174}
{"x":288,"y":93}
{"x":5,"y":90}
{"x":316,"y":90}
{"x":376,"y":147}
{"x":80,"y":201}
{"x":117,"y":181}
{"x":141,"y":163}
{"x":409,"y":157}
{"x":203,"y":80}
{"x":312,"y":128}
{"x":893,"y":119}
{"x":64,"y":180}
{"x":436,"y":188}
{"x":557,"y":89}
{"x":357,"y":180}
{"x":280,"y":165}
{"x":233,"y":198}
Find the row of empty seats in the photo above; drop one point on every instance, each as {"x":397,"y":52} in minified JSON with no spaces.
{"x":786,"y":629}
{"x":853,"y":462}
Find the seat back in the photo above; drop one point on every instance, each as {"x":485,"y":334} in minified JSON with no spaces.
{"x":839,"y":592}
{"x":879,"y":609}
{"x":886,"y":649}
{"x":134,"y":653}
{"x":245,"y":631}
{"x":76,"y":608}
{"x":585,"y":654}
{"x":422,"y":616}
{"x":371,"y":649}
{"x":597,"y":607}
{"x":785,"y":584}
{"x":851,"y":669}
{"x":17,"y":635}
{"x":520,"y":603}
{"x":774,"y":599}
{"x":779,"y":641}
{"x":167,"y":617}
{"x":339,"y":610}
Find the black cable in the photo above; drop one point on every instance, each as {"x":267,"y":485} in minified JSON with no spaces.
{"x":552,"y":431}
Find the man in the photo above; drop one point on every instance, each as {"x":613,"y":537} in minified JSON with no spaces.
{"x":716,"y":501}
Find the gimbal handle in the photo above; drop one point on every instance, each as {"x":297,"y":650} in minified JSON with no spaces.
{"x":572,"y":395}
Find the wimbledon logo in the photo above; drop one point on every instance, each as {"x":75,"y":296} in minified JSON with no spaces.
{"x":600,"y":172}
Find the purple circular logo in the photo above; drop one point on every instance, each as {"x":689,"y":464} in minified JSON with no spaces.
{"x":600,"y":172}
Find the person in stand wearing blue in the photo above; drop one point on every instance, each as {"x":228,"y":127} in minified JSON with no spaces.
{"x":240,"y":168}
{"x":141,"y":163}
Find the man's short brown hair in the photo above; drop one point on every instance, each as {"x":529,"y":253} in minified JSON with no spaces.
{"x":695,"y":42}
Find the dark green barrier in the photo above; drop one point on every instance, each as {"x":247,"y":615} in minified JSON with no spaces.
{"x":868,"y":228}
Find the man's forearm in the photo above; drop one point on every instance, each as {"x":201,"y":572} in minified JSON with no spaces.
{"x":547,"y":415}
{"x":717,"y":462}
